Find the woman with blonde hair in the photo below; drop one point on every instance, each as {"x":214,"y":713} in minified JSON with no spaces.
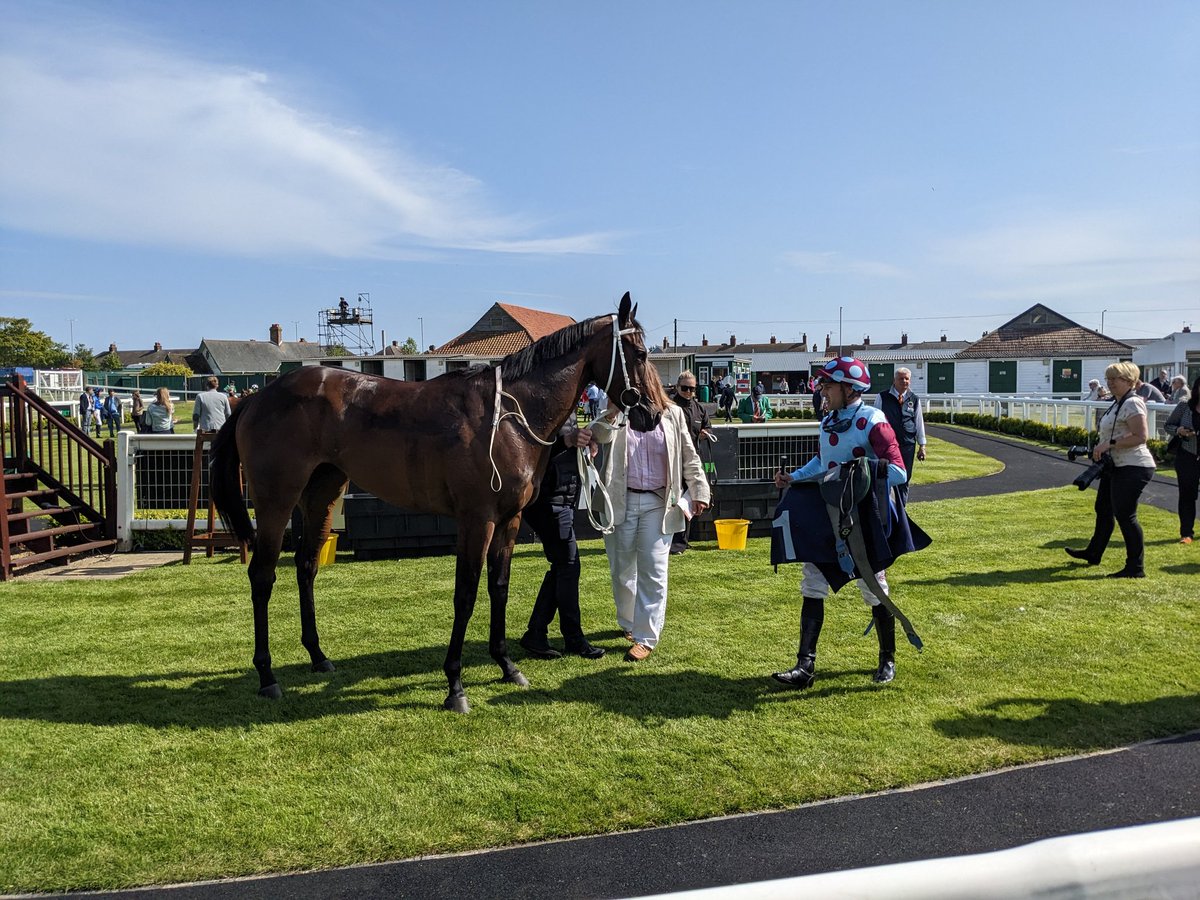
{"x":160,"y":414}
{"x":1123,"y":434}
{"x":650,"y":459}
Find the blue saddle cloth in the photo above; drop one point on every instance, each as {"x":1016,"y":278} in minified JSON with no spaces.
{"x":801,"y":532}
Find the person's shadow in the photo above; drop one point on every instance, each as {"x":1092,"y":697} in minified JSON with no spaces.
{"x":1071,"y":723}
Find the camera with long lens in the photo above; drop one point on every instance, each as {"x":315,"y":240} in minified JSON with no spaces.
{"x":1092,"y":472}
{"x":1075,"y":451}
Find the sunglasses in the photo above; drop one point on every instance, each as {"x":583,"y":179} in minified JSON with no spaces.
{"x":833,"y":425}
{"x":686,"y":387}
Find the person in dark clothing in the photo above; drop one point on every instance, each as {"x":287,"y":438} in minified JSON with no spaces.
{"x":552,"y":517}
{"x":903,"y":410}
{"x":699,"y":427}
{"x":728,"y":400}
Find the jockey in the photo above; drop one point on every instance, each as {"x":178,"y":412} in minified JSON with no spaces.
{"x":850,"y":431}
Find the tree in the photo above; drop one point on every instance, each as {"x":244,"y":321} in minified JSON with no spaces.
{"x":83,"y":358}
{"x":20,"y":345}
{"x":166,"y":368}
{"x":410,"y":346}
{"x":110,"y":362}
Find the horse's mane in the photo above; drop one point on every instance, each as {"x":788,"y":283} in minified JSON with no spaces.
{"x":552,"y":346}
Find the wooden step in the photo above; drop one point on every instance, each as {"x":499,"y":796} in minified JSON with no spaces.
{"x":33,"y":495}
{"x":28,"y":536}
{"x":61,"y":552}
{"x":45,"y":511}
{"x":17,"y":476}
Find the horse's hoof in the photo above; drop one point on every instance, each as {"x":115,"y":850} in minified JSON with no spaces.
{"x":271,"y":692}
{"x":325,"y":665}
{"x":517,"y":678}
{"x":457,"y":704}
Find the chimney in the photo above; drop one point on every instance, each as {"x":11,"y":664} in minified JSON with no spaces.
{"x":866,"y":341}
{"x":277,"y":334}
{"x":772,"y":339}
{"x":827,"y":343}
{"x":666,"y":343}
{"x":804,"y":338}
{"x":395,"y":343}
{"x":703,"y":340}
{"x":1187,"y":329}
{"x":112,"y":348}
{"x":904,"y":337}
{"x":157,"y":347}
{"x":944,"y":337}
{"x":732,"y":340}
{"x":814,"y":349}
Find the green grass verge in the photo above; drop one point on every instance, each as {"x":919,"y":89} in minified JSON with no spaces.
{"x":945,"y":461}
{"x":135,"y":750}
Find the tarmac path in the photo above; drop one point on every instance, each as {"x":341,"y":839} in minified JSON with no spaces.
{"x":1151,"y":782}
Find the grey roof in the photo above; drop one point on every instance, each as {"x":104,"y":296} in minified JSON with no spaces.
{"x":258,"y":356}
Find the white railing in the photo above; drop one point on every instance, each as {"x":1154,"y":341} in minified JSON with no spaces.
{"x":1059,"y":413}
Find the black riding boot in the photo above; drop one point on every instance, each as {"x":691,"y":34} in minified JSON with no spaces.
{"x":885,"y":627}
{"x":812,"y":617}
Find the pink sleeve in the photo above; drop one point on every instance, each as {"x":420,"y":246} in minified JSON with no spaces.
{"x":883,"y":442}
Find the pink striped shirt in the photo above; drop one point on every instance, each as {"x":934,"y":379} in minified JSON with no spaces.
{"x":646,"y":459}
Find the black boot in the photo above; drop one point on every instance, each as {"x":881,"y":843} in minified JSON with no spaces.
{"x":885,"y":628}
{"x":812,"y":617}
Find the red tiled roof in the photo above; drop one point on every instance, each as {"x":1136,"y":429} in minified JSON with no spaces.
{"x":505,"y":329}
{"x":1040,"y":331}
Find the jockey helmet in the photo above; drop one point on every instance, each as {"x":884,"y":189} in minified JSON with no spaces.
{"x":846,"y":370}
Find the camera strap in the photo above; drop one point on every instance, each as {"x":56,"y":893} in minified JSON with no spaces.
{"x":1118,"y":404}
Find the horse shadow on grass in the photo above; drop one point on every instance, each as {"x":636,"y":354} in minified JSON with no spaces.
{"x":1072,"y":724}
{"x":228,"y":698}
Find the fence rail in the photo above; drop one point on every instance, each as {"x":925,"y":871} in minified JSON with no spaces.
{"x":1058,"y":413}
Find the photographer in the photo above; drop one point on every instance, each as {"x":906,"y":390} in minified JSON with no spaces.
{"x":1130,"y":468}
{"x":1182,"y":427}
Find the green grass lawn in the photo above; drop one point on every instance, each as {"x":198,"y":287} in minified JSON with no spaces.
{"x":136,"y":751}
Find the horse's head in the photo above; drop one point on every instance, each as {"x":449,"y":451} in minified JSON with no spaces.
{"x":623,"y":368}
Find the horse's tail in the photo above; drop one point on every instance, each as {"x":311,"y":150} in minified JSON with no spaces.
{"x":224,"y":478}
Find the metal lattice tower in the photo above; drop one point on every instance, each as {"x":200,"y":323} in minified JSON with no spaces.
{"x":346,"y":326}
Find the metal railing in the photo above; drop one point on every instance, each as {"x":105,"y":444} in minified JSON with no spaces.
{"x":1058,"y":413}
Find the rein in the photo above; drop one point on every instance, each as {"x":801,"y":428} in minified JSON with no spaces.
{"x":499,"y":415}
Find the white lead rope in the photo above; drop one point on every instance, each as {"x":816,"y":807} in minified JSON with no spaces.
{"x":498,"y":416}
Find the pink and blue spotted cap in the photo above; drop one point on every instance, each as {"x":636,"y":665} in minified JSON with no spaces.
{"x":846,"y":370}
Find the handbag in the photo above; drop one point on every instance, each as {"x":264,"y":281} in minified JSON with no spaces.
{"x":1174,"y":444}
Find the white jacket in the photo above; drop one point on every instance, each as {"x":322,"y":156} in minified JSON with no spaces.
{"x":683,"y":463}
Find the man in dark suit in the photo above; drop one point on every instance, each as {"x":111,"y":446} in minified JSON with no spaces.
{"x":903,"y":410}
{"x":552,"y":517}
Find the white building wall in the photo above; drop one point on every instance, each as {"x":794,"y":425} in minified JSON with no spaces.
{"x":1033,"y":378}
{"x":971,"y":376}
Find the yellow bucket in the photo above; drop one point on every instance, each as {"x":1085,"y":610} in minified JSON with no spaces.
{"x":731,"y":533}
{"x":328,"y":553}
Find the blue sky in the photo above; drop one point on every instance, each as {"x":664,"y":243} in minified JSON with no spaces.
{"x":179,"y":170}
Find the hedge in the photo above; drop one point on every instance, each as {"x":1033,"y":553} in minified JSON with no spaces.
{"x":1064,"y":436}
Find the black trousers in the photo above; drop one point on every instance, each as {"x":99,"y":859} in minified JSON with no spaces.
{"x":1187,"y":468}
{"x":554,"y":524}
{"x":908,"y":452}
{"x":1117,"y":500}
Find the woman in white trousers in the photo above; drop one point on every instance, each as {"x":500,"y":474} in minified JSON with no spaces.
{"x":650,"y":457}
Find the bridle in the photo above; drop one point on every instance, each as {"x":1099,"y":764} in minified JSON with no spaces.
{"x":499,"y":415}
{"x":618,"y":350}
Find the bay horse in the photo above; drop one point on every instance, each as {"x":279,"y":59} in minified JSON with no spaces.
{"x":471,"y":444}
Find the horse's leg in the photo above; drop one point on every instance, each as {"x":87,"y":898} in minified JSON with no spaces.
{"x":316,"y":513}
{"x":268,"y":540}
{"x":473,"y":540}
{"x":499,"y":562}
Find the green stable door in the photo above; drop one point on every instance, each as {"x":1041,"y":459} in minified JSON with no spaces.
{"x":882,"y":375}
{"x":1066,"y":378}
{"x":941,"y":378}
{"x":1002,"y":377}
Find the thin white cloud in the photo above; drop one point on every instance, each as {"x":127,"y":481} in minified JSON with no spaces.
{"x":108,"y":140}
{"x":829,"y":262}
{"x":1086,"y":254}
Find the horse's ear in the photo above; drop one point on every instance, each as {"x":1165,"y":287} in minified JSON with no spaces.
{"x":624,"y":311}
